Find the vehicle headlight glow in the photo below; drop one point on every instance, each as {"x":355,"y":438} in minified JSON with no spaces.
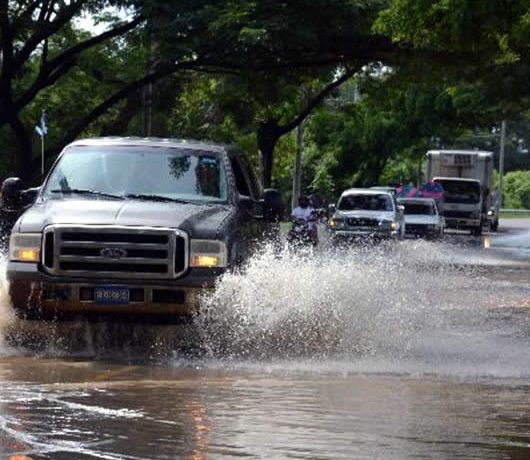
{"x":388,"y":224}
{"x":336,"y":223}
{"x":208,"y":253}
{"x":25,"y":247}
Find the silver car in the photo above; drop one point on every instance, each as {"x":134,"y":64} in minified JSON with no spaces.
{"x":367,"y":214}
{"x":423,"y":218}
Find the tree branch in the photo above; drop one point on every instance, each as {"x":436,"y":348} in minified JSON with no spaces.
{"x":6,"y":36}
{"x":123,"y":93}
{"x":47,"y":29}
{"x":50,"y":68}
{"x":317,"y":100}
{"x":96,"y":40}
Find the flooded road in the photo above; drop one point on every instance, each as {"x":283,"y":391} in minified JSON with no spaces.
{"x":419,"y":350}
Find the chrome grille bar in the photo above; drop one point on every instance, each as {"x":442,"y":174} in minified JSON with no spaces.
{"x":117,"y":251}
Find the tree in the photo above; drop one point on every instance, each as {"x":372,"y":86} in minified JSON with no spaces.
{"x":517,"y":190}
{"x":268,"y":41}
{"x":274,"y":52}
{"x":39,"y":47}
{"x":384,"y":133}
{"x":493,"y":36}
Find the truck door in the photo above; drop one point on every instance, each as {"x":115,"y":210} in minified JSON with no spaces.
{"x":251,"y":225}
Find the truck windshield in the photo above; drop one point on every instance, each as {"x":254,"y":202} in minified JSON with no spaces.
{"x":366,"y":202}
{"x":465,"y":192}
{"x":418,"y":208}
{"x":140,"y":172}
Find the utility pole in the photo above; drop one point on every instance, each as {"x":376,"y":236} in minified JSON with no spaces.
{"x":297,"y":169}
{"x":501,"y":163}
{"x":147,"y":92}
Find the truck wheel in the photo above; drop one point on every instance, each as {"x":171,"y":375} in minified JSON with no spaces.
{"x":477,"y":231}
{"x":495,"y":225}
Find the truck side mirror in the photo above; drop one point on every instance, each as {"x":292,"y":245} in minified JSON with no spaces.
{"x":401,"y":208}
{"x":247,"y":205}
{"x":332,"y":207}
{"x":273,"y":206}
{"x":30,"y":195}
{"x":12,"y":194}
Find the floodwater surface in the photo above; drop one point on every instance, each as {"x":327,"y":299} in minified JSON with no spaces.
{"x":408,"y":351}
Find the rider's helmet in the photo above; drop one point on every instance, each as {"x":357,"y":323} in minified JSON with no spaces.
{"x":303,"y":201}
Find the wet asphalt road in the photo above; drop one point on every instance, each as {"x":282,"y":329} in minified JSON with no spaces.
{"x":419,"y":351}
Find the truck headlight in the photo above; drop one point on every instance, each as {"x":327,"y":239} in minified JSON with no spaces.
{"x":336,"y":223}
{"x":25,"y":247}
{"x":388,"y":225}
{"x":208,"y":253}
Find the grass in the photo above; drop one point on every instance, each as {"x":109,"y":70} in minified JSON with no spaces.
{"x":514,"y":215}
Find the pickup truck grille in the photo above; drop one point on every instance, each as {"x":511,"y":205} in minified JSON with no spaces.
{"x":362,"y":222}
{"x":417,"y":229}
{"x":458,"y":214}
{"x":115,"y":251}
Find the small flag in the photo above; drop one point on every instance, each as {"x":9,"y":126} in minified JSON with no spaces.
{"x":41,"y":127}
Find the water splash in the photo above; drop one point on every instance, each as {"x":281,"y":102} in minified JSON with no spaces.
{"x":6,"y":313}
{"x":354,"y":302}
{"x":414,"y":307}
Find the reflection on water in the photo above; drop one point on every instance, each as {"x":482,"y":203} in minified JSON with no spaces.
{"x":516,"y":245}
{"x":202,"y":413}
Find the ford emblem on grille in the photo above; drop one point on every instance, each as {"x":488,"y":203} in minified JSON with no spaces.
{"x":113,"y":253}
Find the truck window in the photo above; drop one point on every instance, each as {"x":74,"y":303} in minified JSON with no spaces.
{"x":418,"y":208}
{"x":455,"y":191}
{"x":368,"y":202}
{"x":172,"y":173}
{"x":241,"y":181}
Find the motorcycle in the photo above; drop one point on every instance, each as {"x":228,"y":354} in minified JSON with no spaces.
{"x":302,"y":233}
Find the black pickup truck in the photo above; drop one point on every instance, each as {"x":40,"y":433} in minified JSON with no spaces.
{"x":133,"y":228}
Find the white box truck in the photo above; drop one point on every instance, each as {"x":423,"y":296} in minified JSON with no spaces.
{"x":466,"y":177}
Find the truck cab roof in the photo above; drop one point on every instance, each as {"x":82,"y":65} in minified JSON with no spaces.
{"x":483,"y":153}
{"x":151,"y":142}
{"x":459,"y":179}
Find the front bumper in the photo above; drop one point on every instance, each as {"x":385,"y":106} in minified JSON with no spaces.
{"x":35,"y":295}
{"x":362,"y":234}
{"x":459,"y":222}
{"x":420,"y":230}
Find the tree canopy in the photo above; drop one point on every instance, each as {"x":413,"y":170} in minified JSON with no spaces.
{"x":376,"y":82}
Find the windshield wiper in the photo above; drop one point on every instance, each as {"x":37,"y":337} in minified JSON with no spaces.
{"x":82,"y":191}
{"x":148,"y":197}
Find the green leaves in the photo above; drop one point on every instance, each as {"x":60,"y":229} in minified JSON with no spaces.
{"x":517,"y":190}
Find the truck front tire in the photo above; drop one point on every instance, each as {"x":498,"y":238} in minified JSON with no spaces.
{"x":477,"y":231}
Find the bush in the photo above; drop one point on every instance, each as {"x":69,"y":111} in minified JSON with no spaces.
{"x":517,"y":190}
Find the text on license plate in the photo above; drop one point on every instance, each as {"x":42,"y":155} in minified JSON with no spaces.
{"x":111,"y":294}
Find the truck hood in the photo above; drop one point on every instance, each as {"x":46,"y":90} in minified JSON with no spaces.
{"x":421,"y":219}
{"x":447,"y":206}
{"x":380,"y":215}
{"x":202,"y":221}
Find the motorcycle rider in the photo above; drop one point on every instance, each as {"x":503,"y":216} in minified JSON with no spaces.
{"x":303,"y":219}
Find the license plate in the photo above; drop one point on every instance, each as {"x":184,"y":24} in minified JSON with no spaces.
{"x":111,"y":294}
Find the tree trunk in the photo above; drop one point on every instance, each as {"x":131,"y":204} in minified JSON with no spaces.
{"x":119,"y":125}
{"x":267,"y":136}
{"x":23,"y":138}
